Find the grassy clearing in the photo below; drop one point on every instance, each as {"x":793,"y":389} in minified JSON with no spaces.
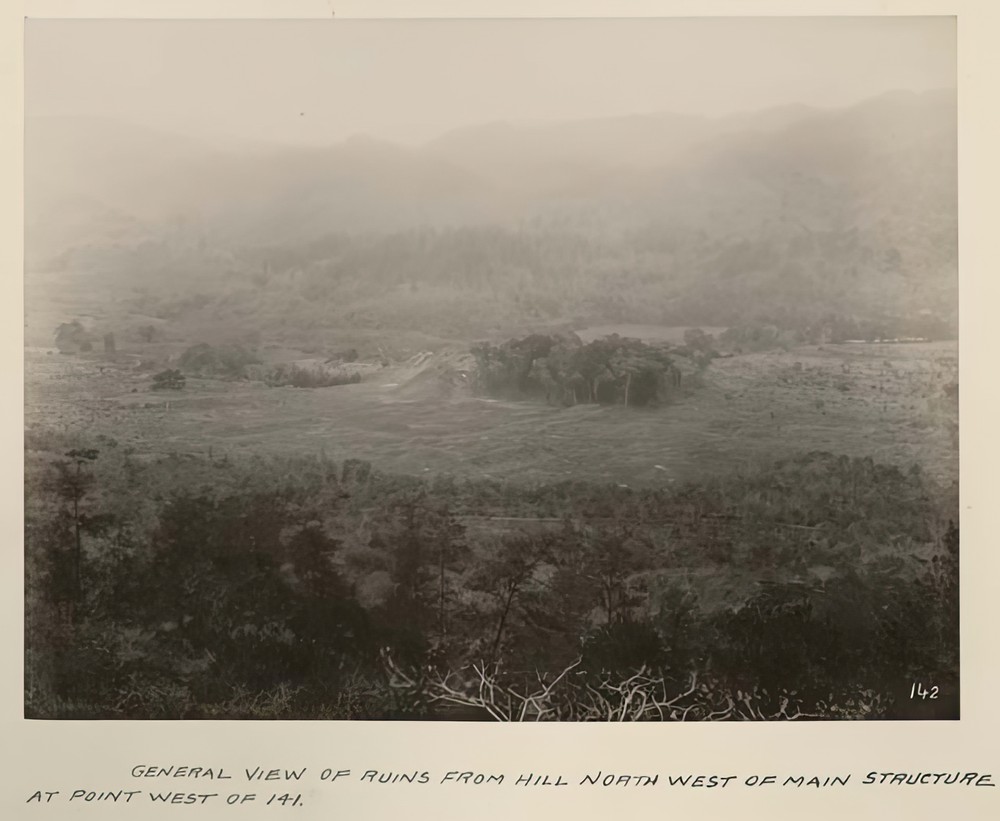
{"x":884,"y":401}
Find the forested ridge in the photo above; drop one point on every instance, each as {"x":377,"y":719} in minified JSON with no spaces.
{"x":813,"y":217}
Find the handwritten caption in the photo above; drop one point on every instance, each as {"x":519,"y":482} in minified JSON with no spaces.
{"x":228,"y":785}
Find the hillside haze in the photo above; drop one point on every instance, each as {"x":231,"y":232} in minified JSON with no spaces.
{"x":783,"y":215}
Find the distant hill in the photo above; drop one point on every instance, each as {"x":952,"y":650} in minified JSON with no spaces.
{"x":226,"y":197}
{"x":550,"y":157}
{"x":782,"y":214}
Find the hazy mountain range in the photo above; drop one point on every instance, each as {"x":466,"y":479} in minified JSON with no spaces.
{"x":880,"y":176}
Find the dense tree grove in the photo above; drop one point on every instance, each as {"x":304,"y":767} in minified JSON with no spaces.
{"x":185,"y":587}
{"x":170,"y":379}
{"x":563,"y":370}
{"x":72,"y":337}
{"x":300,"y":377}
{"x":217,"y":360}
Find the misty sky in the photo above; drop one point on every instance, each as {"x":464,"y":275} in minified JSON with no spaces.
{"x":322,"y":81}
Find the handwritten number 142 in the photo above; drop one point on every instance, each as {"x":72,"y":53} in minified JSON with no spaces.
{"x":917,"y":690}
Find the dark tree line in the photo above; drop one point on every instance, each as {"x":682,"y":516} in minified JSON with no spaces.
{"x":563,"y":370}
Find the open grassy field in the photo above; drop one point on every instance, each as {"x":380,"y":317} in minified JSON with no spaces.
{"x":886,"y":401}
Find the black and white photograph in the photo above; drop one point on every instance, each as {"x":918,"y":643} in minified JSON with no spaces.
{"x":517,"y":370}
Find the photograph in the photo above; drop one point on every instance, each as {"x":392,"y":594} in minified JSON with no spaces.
{"x":492,"y":370}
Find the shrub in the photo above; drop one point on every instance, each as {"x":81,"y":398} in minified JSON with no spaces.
{"x":222,"y":360}
{"x":168,"y":380}
{"x":299,"y":377}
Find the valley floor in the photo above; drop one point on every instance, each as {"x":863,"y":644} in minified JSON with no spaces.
{"x":886,"y":401}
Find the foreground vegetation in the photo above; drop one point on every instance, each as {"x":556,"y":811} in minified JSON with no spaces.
{"x":187,"y":587}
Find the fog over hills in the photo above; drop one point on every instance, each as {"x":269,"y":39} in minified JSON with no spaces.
{"x":853,"y":209}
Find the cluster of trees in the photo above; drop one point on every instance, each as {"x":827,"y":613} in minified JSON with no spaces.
{"x":563,"y":370}
{"x":238,"y":362}
{"x":300,"y":377}
{"x":217,"y":360}
{"x":187,"y":587}
{"x":72,"y":337}
{"x":170,"y":379}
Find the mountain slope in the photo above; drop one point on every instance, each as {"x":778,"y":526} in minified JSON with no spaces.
{"x":785,"y":214}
